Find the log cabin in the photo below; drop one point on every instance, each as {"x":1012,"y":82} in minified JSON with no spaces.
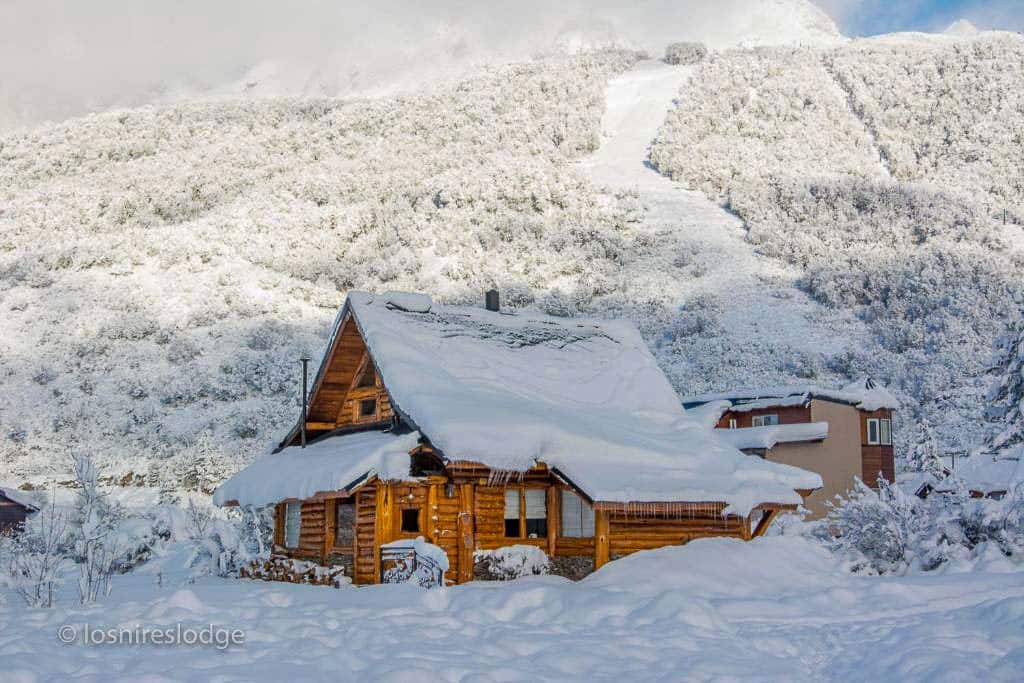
{"x":842,"y":434}
{"x":15,"y":508}
{"x":480,"y":428}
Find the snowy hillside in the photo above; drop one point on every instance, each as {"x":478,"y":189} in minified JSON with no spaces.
{"x":888,"y":171}
{"x":162,"y":269}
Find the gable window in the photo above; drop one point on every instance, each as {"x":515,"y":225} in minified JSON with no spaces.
{"x":885,"y":432}
{"x":292,"y":524}
{"x":410,"y":521}
{"x":732,"y":423}
{"x":873,"y":432}
{"x":511,"y":513}
{"x":577,"y":516}
{"x":368,"y":408}
{"x":765,"y":420}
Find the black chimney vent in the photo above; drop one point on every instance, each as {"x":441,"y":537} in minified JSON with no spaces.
{"x":491,"y":300}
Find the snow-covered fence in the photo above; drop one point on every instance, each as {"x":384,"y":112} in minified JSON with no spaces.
{"x":685,"y":53}
{"x":419,"y":561}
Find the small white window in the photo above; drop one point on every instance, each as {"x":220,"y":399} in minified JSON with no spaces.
{"x":577,"y":516}
{"x":885,"y":432}
{"x":765,"y":420}
{"x":873,"y":432}
{"x":732,"y":423}
{"x":292,"y":522}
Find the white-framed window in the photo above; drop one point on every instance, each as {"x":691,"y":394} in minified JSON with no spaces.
{"x":732,"y":423}
{"x":873,"y":431}
{"x":577,"y":516}
{"x":885,"y":431}
{"x":292,"y":524}
{"x":765,"y":420}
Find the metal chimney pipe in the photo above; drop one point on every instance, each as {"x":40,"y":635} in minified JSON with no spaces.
{"x":305,"y":381}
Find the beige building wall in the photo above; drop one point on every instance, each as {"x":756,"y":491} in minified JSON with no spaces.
{"x":837,"y":459}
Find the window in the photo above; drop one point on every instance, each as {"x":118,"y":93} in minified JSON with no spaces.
{"x":344,"y":524}
{"x":765,"y":420}
{"x":577,"y":516}
{"x":732,"y":423}
{"x":536,"y":513}
{"x":368,"y":408}
{"x":292,"y":523}
{"x":873,"y":432}
{"x":526,"y":513}
{"x":512,"y":513}
{"x":410,"y":521}
{"x":885,"y":432}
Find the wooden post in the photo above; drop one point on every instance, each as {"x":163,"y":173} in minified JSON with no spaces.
{"x":554,"y":519}
{"x":745,"y":528}
{"x":279,"y":524}
{"x":467,"y":536}
{"x":602,"y":530}
{"x":382,"y":526}
{"x":330,"y":527}
{"x":430,"y":523}
{"x":765,"y":522}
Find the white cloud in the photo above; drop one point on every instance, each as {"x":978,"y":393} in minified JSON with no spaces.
{"x":61,"y":58}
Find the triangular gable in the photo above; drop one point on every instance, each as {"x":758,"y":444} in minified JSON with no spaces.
{"x":340,"y":398}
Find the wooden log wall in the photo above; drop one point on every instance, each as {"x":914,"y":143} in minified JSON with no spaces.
{"x":365,"y":542}
{"x":628,"y":534}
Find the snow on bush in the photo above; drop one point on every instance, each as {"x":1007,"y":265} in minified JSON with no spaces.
{"x":685,"y":53}
{"x":512,"y":562}
{"x":945,"y":112}
{"x":189,"y":255}
{"x":1006,"y":393}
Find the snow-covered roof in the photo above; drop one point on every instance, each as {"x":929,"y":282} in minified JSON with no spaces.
{"x":333,"y":464}
{"x":865,"y":394}
{"x":511,"y":390}
{"x":20,"y":497}
{"x":989,"y":472}
{"x":769,"y":436}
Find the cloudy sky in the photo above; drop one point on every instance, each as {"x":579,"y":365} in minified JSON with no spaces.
{"x":65,"y":58}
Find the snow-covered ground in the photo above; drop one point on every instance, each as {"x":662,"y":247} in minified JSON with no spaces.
{"x":755,"y":295}
{"x":783,"y":610}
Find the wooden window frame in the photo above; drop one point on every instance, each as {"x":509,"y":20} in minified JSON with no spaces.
{"x":284,"y":530}
{"x":732,"y":423}
{"x":754,"y":419}
{"x":878,"y":432}
{"x":882,"y":441}
{"x":561,"y":516}
{"x":523,"y":536}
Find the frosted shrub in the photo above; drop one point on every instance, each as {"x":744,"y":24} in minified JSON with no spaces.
{"x":879,"y":530}
{"x":33,"y":561}
{"x":94,"y":520}
{"x":685,"y":53}
{"x":512,"y":562}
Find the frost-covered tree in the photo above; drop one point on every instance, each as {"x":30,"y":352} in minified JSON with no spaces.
{"x":1006,"y":395}
{"x":94,"y":519}
{"x":33,"y":561}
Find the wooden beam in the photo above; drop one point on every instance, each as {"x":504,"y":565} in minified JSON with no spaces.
{"x":602,"y":531}
{"x":330,"y":528}
{"x":320,"y":426}
{"x":766,"y":520}
{"x":467,"y":534}
{"x":382,"y":525}
{"x":554,"y":518}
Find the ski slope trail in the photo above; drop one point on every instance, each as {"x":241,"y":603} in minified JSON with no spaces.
{"x":754,"y":297}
